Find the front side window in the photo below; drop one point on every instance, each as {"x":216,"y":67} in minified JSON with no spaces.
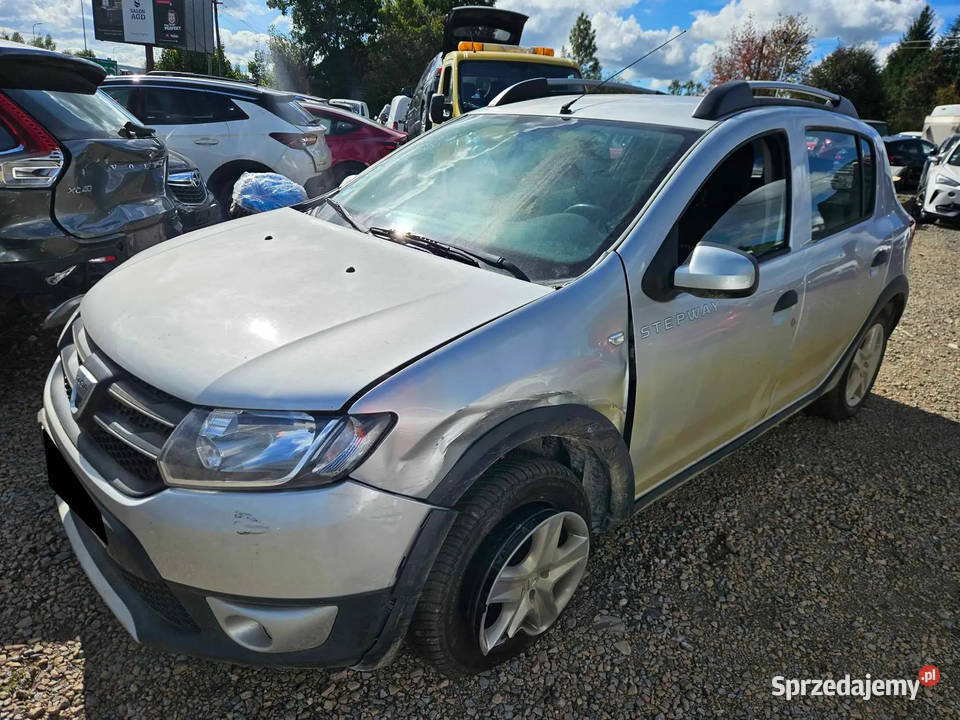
{"x":842,"y":180}
{"x":743,"y":203}
{"x":482,"y":80}
{"x":546,"y":193}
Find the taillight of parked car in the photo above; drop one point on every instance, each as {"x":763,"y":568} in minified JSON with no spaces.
{"x":300,"y":141}
{"x":386,"y":148}
{"x":36,"y":160}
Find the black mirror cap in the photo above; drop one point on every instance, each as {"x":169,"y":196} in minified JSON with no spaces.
{"x":437,"y":103}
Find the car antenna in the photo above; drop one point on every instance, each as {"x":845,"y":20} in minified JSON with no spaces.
{"x":565,"y":110}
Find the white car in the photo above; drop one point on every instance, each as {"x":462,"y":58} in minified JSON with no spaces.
{"x":355,"y":106}
{"x":397,"y":117}
{"x":228,"y":128}
{"x":939,"y":193}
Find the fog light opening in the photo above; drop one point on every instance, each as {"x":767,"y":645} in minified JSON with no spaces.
{"x":247,"y":632}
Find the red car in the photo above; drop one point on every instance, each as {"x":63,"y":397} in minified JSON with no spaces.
{"x":354,"y":141}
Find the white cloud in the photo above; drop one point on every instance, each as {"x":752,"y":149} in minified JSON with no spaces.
{"x":241,"y":44}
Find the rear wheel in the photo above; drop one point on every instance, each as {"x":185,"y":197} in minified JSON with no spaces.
{"x":509,"y":566}
{"x":846,"y":399}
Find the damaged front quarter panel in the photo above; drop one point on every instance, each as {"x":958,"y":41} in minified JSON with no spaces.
{"x":552,"y":353}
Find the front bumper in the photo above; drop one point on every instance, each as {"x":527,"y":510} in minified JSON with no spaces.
{"x":310,"y":577}
{"x":942,"y":200}
{"x":200,"y":215}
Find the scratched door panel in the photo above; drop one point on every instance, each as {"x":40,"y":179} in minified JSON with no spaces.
{"x":706,"y":369}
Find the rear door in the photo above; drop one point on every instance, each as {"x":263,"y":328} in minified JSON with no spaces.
{"x":192,"y":122}
{"x":845,"y":254}
{"x":112,"y":182}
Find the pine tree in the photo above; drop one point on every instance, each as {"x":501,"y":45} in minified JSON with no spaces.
{"x":911,"y":76}
{"x":583,"y":47}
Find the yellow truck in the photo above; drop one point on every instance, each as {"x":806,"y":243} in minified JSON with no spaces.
{"x":481,"y":56}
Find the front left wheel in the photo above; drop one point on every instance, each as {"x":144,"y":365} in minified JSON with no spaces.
{"x":507,"y":569}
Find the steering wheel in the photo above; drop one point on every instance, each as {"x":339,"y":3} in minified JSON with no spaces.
{"x":593,"y":213}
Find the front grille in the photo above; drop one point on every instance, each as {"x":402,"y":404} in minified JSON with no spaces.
{"x":131,"y":461}
{"x":158,"y":596}
{"x":125,"y":422}
{"x":188,"y":188}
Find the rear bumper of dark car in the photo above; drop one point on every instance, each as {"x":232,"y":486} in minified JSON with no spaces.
{"x":54,"y":269}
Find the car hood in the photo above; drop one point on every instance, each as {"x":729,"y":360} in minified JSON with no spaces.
{"x":284,"y":311}
{"x":951,"y":171}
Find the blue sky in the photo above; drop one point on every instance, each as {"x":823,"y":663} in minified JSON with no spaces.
{"x":625,"y":28}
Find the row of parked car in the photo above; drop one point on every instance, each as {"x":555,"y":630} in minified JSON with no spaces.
{"x":94,"y":168}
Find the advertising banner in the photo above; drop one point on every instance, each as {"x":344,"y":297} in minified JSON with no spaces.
{"x":168,"y":22}
{"x":138,"y":21}
{"x":185,"y":24}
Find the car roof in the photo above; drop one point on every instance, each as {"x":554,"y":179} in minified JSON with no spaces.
{"x":900,"y":137}
{"x":232,"y":87}
{"x":340,"y":112}
{"x":673,"y":110}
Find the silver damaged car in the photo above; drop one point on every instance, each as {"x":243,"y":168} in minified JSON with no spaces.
{"x":404,"y":410}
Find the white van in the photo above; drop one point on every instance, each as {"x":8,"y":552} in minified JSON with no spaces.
{"x":941,"y":123}
{"x":397,"y":119}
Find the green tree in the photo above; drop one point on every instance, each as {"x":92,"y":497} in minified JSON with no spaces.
{"x":854,"y":73}
{"x":259,"y":70}
{"x":291,"y":63}
{"x":42,"y":41}
{"x":86,"y":53}
{"x":688,"y":88}
{"x":174,"y":59}
{"x":912,"y":76}
{"x":583,"y":47}
{"x":13,"y":37}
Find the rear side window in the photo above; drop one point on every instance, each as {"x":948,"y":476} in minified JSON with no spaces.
{"x":175,"y":106}
{"x":905,"y":152}
{"x":842,"y":180}
{"x":291,"y":111}
{"x":123,"y":95}
{"x":74,"y":116}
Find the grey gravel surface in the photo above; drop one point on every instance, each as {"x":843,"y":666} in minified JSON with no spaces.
{"x":819,"y":550}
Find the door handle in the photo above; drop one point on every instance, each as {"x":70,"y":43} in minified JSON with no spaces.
{"x":787,"y":300}
{"x":880,"y":258}
{"x":206,"y":141}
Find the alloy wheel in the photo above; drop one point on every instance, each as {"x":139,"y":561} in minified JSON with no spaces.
{"x":864,"y":365}
{"x":535,"y":584}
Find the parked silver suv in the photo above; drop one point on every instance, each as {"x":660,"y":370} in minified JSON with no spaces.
{"x":404,"y":410}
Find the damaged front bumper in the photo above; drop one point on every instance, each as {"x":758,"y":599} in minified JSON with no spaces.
{"x":321,"y":577}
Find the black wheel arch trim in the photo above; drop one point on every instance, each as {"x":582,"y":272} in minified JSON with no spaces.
{"x":580,"y":424}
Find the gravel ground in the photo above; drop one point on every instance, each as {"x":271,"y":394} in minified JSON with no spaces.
{"x":819,"y":550}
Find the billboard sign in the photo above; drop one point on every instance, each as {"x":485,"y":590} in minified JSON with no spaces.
{"x":138,"y":21}
{"x":168,"y":23}
{"x":184,"y":24}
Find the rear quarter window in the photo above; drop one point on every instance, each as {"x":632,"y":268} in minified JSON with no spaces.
{"x":74,"y":116}
{"x":7,"y":140}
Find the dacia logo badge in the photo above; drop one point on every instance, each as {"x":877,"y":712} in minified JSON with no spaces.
{"x":83,"y":384}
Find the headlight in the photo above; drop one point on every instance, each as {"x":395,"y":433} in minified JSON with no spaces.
{"x":944,"y":180}
{"x":254,"y":448}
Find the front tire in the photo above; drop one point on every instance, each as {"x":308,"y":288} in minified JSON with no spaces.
{"x":846,"y":399}
{"x":507,"y":569}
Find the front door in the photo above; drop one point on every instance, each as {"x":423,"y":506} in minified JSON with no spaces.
{"x":706,"y":367}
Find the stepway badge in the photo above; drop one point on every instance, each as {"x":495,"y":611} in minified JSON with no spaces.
{"x":138,"y":21}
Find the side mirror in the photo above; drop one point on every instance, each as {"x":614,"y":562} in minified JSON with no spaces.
{"x":439,"y":110}
{"x":718,"y":270}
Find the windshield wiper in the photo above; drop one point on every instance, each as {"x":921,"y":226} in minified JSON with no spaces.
{"x":454,"y":252}
{"x":137,"y":131}
{"x":344,"y":214}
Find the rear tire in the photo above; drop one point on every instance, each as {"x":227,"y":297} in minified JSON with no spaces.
{"x":846,"y":399}
{"x":520,"y":509}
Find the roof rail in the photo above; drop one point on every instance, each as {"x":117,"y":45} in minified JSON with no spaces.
{"x":544,"y":87}
{"x":199,"y":76}
{"x":737,"y":95}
